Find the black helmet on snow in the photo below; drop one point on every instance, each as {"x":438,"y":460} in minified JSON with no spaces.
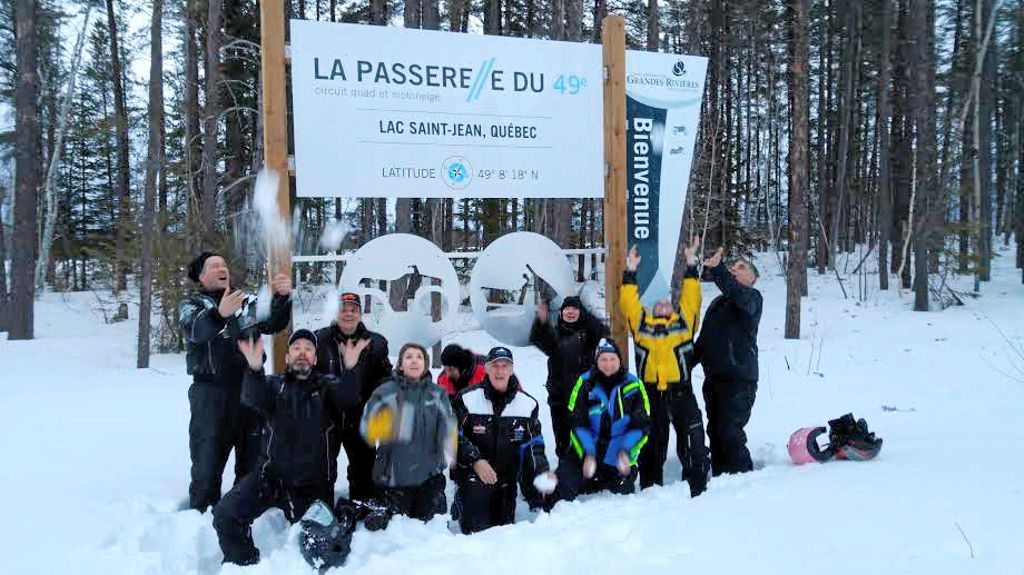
{"x":324,"y":540}
{"x":851,"y":439}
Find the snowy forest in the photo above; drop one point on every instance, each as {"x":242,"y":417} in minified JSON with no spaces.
{"x":130,"y":137}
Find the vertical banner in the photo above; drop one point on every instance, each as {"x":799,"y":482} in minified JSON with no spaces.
{"x":663,"y":99}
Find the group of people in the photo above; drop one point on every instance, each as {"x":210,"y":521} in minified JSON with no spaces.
{"x":401,"y":431}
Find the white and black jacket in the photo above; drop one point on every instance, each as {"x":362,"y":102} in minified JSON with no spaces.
{"x":501,"y":428}
{"x":211,"y":341}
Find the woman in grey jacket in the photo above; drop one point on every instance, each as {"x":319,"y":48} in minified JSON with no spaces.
{"x":409,"y":420}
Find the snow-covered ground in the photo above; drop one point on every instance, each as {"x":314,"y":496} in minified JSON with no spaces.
{"x":96,"y":458}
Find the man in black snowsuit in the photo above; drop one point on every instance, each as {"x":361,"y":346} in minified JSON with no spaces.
{"x":359,"y":357}
{"x":212,"y":320}
{"x":500,"y":445}
{"x":570,"y":349}
{"x":727,"y":348}
{"x":299,"y":408}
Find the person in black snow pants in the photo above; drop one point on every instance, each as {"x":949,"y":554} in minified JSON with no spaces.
{"x":299,"y":408}
{"x":500,"y":445}
{"x":212,"y":320}
{"x":409,"y":421}
{"x":347,"y":348}
{"x":570,"y":349}
{"x":727,"y":349}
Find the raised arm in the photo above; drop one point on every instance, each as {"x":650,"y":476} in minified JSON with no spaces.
{"x":745,"y":298}
{"x":690,"y":298}
{"x":256,"y":392}
{"x":690,"y":294}
{"x":629,"y":293}
{"x":280,"y":315}
{"x":543,"y":336}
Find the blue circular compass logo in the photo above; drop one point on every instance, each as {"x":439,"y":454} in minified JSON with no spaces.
{"x":457,"y":172}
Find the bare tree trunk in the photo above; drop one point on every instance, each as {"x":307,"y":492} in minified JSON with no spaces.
{"x":412,"y":12}
{"x":920,"y":103}
{"x":652,"y":25}
{"x":26,"y":224}
{"x":378,"y":12}
{"x":366,"y":210}
{"x":123,"y":169}
{"x":884,"y":223}
{"x":4,"y":294}
{"x":404,"y":206}
{"x":492,"y":17}
{"x":902,"y":151}
{"x":455,"y":14}
{"x":381,"y":211}
{"x":574,"y":20}
{"x":236,"y":76}
{"x":162,"y":187}
{"x":49,"y":186}
{"x":600,"y":11}
{"x":1018,"y":143}
{"x":1001,"y":168}
{"x":799,"y":95}
{"x":557,"y":29}
{"x":211,"y":119}
{"x":193,"y":149}
{"x":431,"y":16}
{"x":153,"y":166}
{"x":821,"y":253}
{"x":983,"y":134}
{"x":846,"y":106}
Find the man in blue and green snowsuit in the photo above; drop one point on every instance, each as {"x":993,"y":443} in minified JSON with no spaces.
{"x":611,"y":418}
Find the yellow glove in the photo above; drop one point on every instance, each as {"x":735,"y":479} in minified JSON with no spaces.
{"x":380,"y":428}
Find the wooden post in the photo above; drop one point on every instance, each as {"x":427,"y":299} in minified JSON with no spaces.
{"x":275,"y":139}
{"x":613,"y":44}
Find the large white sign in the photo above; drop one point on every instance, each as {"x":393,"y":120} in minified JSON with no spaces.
{"x":663,"y":97}
{"x":391,"y":112}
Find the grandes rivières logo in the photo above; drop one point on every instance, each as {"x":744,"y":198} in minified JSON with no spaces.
{"x":675,"y":79}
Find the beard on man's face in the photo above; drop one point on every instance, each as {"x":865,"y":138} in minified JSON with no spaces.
{"x":300,"y":369}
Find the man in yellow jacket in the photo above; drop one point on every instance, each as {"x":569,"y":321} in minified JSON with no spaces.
{"x":664,"y":347}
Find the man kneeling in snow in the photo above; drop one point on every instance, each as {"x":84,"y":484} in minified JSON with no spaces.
{"x":300,"y":407}
{"x":500,"y":442}
{"x":611,"y":417}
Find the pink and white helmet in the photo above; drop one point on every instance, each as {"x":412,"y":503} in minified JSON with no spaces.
{"x":803,"y":446}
